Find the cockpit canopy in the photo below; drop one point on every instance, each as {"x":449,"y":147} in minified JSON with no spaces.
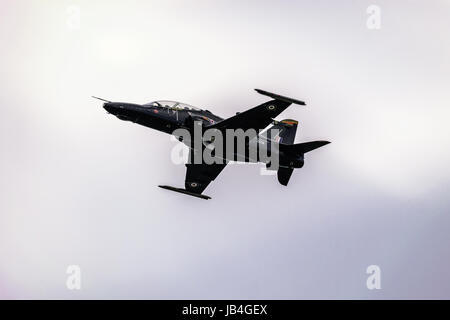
{"x":174,"y":105}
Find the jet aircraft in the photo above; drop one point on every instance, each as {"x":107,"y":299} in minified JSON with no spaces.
{"x":168,"y":116}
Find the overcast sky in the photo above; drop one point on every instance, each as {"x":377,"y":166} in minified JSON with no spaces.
{"x":79,"y":186}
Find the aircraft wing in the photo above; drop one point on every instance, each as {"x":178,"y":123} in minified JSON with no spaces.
{"x":198,"y":177}
{"x":258,"y":117}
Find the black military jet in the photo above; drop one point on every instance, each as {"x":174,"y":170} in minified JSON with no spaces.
{"x":167,"y":116}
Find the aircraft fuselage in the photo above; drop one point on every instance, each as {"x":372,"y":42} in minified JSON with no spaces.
{"x":167,"y":120}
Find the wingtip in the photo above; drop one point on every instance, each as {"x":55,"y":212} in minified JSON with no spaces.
{"x":184,"y":191}
{"x":280,"y":97}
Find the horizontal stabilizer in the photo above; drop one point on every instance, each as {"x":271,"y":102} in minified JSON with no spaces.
{"x":284,"y":174}
{"x":281,"y":98}
{"x":180,"y":190}
{"x":301,"y":148}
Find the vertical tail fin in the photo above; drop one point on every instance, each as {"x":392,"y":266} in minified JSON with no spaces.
{"x":292,"y":153}
{"x":286,"y":136}
{"x":286,"y":131}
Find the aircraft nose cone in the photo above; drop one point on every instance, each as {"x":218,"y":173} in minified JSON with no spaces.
{"x":110,"y":107}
